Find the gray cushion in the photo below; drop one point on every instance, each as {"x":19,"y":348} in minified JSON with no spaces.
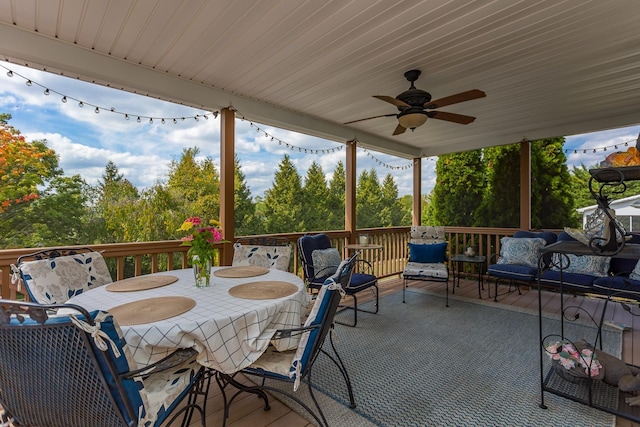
{"x":325,"y":261}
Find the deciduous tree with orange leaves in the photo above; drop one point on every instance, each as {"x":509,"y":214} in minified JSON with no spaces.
{"x":24,"y":166}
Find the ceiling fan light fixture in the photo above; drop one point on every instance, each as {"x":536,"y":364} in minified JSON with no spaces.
{"x":412,"y":120}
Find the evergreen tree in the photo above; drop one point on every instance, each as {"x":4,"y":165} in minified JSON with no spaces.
{"x":283,"y":201}
{"x":315,"y":194}
{"x":458,"y":189}
{"x":195,"y":185}
{"x":552,"y":204}
{"x":391,"y":212}
{"x":336,"y":199}
{"x":245,"y":223}
{"x":500,"y":203}
{"x":118,"y":207}
{"x":368,"y":200}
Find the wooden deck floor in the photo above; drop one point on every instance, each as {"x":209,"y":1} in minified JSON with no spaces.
{"x":248,"y":412}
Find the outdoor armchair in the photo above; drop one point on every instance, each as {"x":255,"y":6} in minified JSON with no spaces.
{"x":518,"y":260}
{"x":75,"y":370}
{"x":428,"y":259}
{"x":320,"y":260}
{"x":53,"y":276}
{"x":294,"y":365}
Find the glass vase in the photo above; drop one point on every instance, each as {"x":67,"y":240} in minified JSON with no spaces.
{"x":201,"y":271}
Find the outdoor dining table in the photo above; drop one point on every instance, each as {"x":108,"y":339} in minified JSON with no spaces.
{"x":229,"y":332}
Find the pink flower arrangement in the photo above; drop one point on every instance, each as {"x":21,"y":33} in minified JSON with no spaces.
{"x":202,"y":238}
{"x":566,"y":354}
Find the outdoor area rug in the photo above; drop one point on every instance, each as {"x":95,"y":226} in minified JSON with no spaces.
{"x":423,"y":364}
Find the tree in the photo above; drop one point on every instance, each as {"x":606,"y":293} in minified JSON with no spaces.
{"x":195,"y":185}
{"x":283,"y":201}
{"x":245,"y":222}
{"x":117,"y":206}
{"x":315,"y":194}
{"x":552,"y":202}
{"x":57,"y":217}
{"x":458,"y":190}
{"x":336,"y":199}
{"x":368,"y":200}
{"x":500,"y":202}
{"x":24,"y":168}
{"x":391,"y":213}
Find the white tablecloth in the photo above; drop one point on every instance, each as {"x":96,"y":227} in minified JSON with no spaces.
{"x":229,"y":333}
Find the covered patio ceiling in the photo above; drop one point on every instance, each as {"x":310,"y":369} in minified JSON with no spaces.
{"x":548,"y":67}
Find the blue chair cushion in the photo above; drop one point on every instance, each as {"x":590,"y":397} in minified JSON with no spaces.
{"x":619,"y":286}
{"x":307,"y":245}
{"x":548,"y":236}
{"x":427,"y":253}
{"x":571,"y":281}
{"x":513,"y":271}
{"x":360,"y":281}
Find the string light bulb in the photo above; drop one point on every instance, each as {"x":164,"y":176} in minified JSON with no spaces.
{"x":64,"y":99}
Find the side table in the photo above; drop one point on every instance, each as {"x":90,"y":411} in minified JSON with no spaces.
{"x":460,"y":259}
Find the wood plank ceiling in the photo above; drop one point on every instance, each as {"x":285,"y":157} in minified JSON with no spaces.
{"x":548,"y":67}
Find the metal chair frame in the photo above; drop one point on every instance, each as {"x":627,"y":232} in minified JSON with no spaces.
{"x":52,"y":375}
{"x":324,"y":326}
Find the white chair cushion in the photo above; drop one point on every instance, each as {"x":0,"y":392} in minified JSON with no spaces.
{"x":437,"y":270}
{"x":277,"y":257}
{"x":56,"y":280}
{"x":275,"y":361}
{"x":427,"y":234}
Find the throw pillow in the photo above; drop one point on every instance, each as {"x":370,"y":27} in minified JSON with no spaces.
{"x":635,"y":274}
{"x":427,"y":253}
{"x":521,"y":250}
{"x":325,"y":261}
{"x":592,"y":265}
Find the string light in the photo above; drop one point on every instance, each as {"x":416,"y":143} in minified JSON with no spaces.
{"x":286,"y":144}
{"x":64,"y":98}
{"x":381,"y":163}
{"x":595,"y":150}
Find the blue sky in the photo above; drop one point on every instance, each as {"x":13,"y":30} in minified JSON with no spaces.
{"x":85,"y":141}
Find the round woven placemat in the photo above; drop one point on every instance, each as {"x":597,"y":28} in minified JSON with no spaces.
{"x":151,"y":310}
{"x":263,"y":290}
{"x":241,"y":271}
{"x":141,"y":283}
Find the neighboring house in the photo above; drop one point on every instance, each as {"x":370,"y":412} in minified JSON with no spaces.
{"x":627,"y":211}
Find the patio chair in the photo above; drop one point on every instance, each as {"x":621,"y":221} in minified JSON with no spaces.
{"x":320,"y":261}
{"x":269,"y":252}
{"x":53,"y":276}
{"x":75,"y":370}
{"x":428,"y":259}
{"x":295,"y":365}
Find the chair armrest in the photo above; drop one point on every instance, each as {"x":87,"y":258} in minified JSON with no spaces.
{"x":176,"y":358}
{"x":292,"y":332}
{"x":364,"y":266}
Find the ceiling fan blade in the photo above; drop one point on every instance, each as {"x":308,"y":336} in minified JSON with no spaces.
{"x":454,"y":99}
{"x":399,"y":129}
{"x":451,"y":117}
{"x":369,"y":118}
{"x":392,"y":100}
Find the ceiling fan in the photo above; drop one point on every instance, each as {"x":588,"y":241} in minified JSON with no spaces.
{"x":413,"y":104}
